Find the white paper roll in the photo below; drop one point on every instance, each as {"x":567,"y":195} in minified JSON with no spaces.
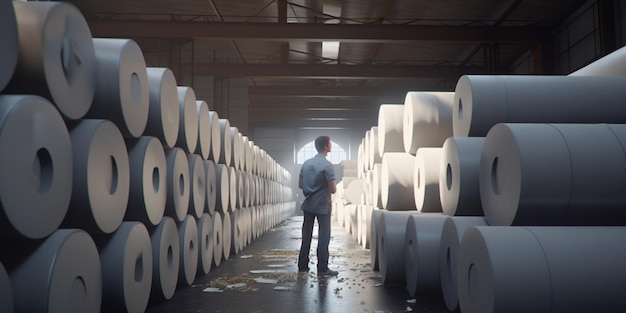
{"x":126,"y":259}
{"x":235,"y":152}
{"x":6,"y":291}
{"x":166,"y":257}
{"x":203,"y":147}
{"x":397,"y":181}
{"x":56,"y":56}
{"x":178,"y":185}
{"x":227,"y":234}
{"x":9,"y":49}
{"x":101,"y":177}
{"x":216,"y":137}
{"x":426,"y":179}
{"x":164,"y":113}
{"x":374,"y":150}
{"x":390,"y":246}
{"x":148,"y":189}
{"x":354,"y":191}
{"x":218,"y":238}
{"x":60,"y":274}
{"x":197,"y":182}
{"x":427,"y":119}
{"x":188,"y":125}
{"x":34,"y":205}
{"x":481,"y":101}
{"x":122,"y":92}
{"x":235,"y":243}
{"x":223,"y":188}
{"x":453,"y":229}
{"x":248,"y":154}
{"x":232,"y":189}
{"x":377,"y":174}
{"x":611,"y":64}
{"x":390,"y":132}
{"x":421,"y":264}
{"x":458,"y":173}
{"x":211,"y":186}
{"x":188,"y":237}
{"x":225,"y":140}
{"x":205,"y":244}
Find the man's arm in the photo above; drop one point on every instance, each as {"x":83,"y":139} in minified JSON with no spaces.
{"x":300,"y":182}
{"x":332,"y":186}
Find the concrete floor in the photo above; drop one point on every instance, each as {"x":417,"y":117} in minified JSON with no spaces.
{"x":356,"y":289}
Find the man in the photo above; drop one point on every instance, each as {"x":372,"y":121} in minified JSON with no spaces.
{"x":317,"y":181}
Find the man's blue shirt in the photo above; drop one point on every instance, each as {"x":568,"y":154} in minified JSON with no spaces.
{"x":316,"y":172}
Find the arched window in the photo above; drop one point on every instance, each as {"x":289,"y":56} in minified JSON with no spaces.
{"x":336,"y":155}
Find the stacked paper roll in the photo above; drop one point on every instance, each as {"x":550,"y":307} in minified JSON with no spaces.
{"x":122,"y":91}
{"x":236,"y":143}
{"x":354,"y":191}
{"x":56,"y":56}
{"x":397,"y":181}
{"x":205,"y":244}
{"x":148,"y":189}
{"x":390,"y":132}
{"x":218,"y":238}
{"x":101,"y":177}
{"x":197,"y":182}
{"x":427,"y":119}
{"x":375,"y":157}
{"x":211,"y":186}
{"x":366,"y":216}
{"x":203,"y":148}
{"x":164,"y":113}
{"x":481,"y":101}
{"x":166,"y":257}
{"x":453,"y":229}
{"x":426,"y":179}
{"x":225,"y":149}
{"x":227,"y":235}
{"x":188,"y":125}
{"x":34,"y":205}
{"x":232,"y":189}
{"x":178,"y":186}
{"x":377,"y":173}
{"x":235,"y":224}
{"x":223,"y":184}
{"x":10,"y":47}
{"x":422,"y":240}
{"x":126,"y":259}
{"x":188,"y":237}
{"x":611,"y":64}
{"x":458,"y":173}
{"x":6,"y":292}
{"x":390,"y":246}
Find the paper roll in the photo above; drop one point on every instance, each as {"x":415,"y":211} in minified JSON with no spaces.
{"x":354,"y":191}
{"x":225,"y":149}
{"x":164,"y":114}
{"x":235,"y":243}
{"x":178,"y":185}
{"x":216,"y":137}
{"x":611,"y":64}
{"x":222,"y":181}
{"x":374,"y":156}
{"x":458,"y":173}
{"x":240,"y":190}
{"x":126,"y":259}
{"x":6,"y":291}
{"x":188,"y":238}
{"x":227,"y":235}
{"x":236,"y":148}
{"x":453,"y":229}
{"x":377,"y":174}
{"x":56,"y":56}
{"x":101,"y":177}
{"x":397,"y":181}
{"x":426,"y":179}
{"x":148,"y":189}
{"x":218,"y":238}
{"x":205,"y":244}
{"x":366,"y":223}
{"x":203,"y":147}
{"x":583,"y":187}
{"x":188,"y":125}
{"x":421,"y":264}
{"x":60,"y":274}
{"x":34,"y":205}
{"x":211,"y":186}
{"x":391,"y":246}
{"x":9,"y":49}
{"x":427,"y":119}
{"x":390,"y":132}
{"x":248,"y":154}
{"x":122,"y":92}
{"x":481,"y":101}
{"x":232,"y":189}
{"x":166,"y":257}
{"x":198,"y":183}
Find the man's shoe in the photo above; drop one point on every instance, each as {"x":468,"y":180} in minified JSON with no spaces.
{"x":328,"y":272}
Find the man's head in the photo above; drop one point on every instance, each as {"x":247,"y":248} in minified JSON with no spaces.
{"x":322,"y":144}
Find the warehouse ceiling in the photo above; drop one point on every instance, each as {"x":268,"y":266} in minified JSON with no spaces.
{"x":329,"y":63}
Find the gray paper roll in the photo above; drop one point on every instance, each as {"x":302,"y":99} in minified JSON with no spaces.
{"x":218,"y":238}
{"x":248,"y":154}
{"x":204,"y":129}
{"x":211,"y":186}
{"x":216,"y":137}
{"x":481,"y":101}
{"x":427,"y":119}
{"x":227,"y":234}
{"x":222,"y":182}
{"x":205,"y":244}
{"x":122,"y":91}
{"x":101,"y":177}
{"x":390,"y":132}
{"x":458,"y":173}
{"x":37,"y":149}
{"x":188,"y":237}
{"x":178,"y":186}
{"x":6,"y":291}
{"x":167,"y":259}
{"x":10,"y":47}
{"x":236,"y":148}
{"x":225,"y":149}
{"x":426,"y":179}
{"x":232,"y":189}
{"x":148,"y":189}
{"x":235,"y":243}
{"x":397,"y":181}
{"x":197,"y":182}
{"x":61,"y":274}
{"x":126,"y":259}
{"x":56,"y":56}
{"x":164,"y":113}
{"x":453,"y":229}
{"x":391,"y":246}
{"x":611,"y":64}
{"x":421,"y":265}
{"x":188,"y":125}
